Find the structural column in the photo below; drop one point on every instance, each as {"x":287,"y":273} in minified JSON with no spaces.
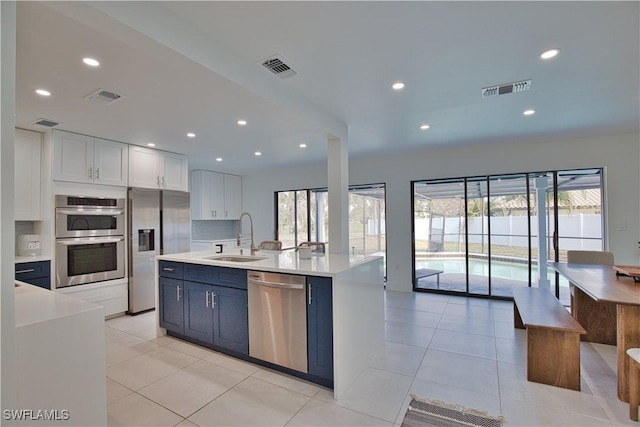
{"x":338,"y":179}
{"x":541,"y":198}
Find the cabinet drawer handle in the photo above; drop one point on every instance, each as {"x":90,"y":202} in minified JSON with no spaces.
{"x":206,"y":299}
{"x":310,"y":291}
{"x":167,"y":269}
{"x":31,"y":270}
{"x":213,"y":300}
{"x":178,"y":292}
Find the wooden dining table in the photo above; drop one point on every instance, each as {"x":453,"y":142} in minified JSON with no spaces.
{"x":606,"y":304}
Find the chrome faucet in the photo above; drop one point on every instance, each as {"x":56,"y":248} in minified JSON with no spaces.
{"x":239,"y":239}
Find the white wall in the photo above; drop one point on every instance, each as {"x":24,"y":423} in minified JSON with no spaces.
{"x":619,"y":154}
{"x":7,"y":254}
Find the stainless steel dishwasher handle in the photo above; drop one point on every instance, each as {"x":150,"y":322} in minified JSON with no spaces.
{"x":275,"y":285}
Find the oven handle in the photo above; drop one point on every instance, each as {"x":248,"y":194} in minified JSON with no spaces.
{"x":74,"y":242}
{"x":91,"y":212}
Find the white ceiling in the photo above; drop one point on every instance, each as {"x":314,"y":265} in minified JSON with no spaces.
{"x":193,"y":67}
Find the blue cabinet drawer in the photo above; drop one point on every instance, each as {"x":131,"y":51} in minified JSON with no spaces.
{"x":198,"y":273}
{"x":36,"y":273}
{"x":170,"y":269}
{"x":230,"y":277}
{"x":222,"y":276}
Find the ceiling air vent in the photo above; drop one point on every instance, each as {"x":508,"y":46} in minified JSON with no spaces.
{"x":103,"y":97}
{"x":276,"y":65}
{"x":521,"y":86}
{"x":45,"y":122}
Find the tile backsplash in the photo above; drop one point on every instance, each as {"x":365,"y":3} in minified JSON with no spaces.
{"x":214,"y":230}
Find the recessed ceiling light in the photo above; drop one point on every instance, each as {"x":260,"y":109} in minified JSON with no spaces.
{"x":548,"y":54}
{"x":529,"y":112}
{"x":303,"y":145}
{"x":425,"y":127}
{"x":218,"y":159}
{"x":191,"y":135}
{"x":43,"y":92}
{"x":151,"y":144}
{"x":242,"y":122}
{"x":397,"y":86}
{"x":258,"y":153}
{"x":91,"y":62}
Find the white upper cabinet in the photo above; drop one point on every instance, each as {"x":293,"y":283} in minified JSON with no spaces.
{"x":232,"y":196}
{"x":157,"y":169}
{"x":215,"y":195}
{"x":28,"y":184}
{"x":110,"y":162}
{"x":81,"y":158}
{"x":72,"y":157}
{"x":144,"y":167}
{"x":176,"y":172}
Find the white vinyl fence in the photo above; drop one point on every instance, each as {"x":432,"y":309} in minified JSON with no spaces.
{"x":577,"y":231}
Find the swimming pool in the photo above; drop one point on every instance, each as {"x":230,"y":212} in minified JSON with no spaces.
{"x":478,"y":267}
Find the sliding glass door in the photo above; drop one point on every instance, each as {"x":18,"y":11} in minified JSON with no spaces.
{"x":482,"y":234}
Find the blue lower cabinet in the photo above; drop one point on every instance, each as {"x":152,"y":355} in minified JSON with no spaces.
{"x":171,"y":304}
{"x":320,"y":327}
{"x":198,"y":313}
{"x":35,"y":273}
{"x":230,"y":319}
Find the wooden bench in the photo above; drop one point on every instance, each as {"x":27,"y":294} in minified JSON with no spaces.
{"x":553,"y":338}
{"x":426,"y":272}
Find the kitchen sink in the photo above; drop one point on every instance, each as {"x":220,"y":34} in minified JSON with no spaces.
{"x":235,"y":258}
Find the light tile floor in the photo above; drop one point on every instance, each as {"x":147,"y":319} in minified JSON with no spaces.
{"x":456,"y":349}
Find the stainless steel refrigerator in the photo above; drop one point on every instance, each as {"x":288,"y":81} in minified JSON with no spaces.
{"x":159,"y":222}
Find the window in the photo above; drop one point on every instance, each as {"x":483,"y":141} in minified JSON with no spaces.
{"x":303,"y":215}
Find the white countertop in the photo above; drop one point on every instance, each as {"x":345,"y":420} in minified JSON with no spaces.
{"x":34,"y":305}
{"x":280,"y":262}
{"x":34,"y":258}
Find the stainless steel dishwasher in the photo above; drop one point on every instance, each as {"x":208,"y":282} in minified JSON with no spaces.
{"x":278,"y":319}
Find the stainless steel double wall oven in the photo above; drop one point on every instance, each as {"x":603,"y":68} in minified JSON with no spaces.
{"x":90,"y":240}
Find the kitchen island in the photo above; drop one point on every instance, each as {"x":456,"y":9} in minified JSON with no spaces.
{"x":349,"y":289}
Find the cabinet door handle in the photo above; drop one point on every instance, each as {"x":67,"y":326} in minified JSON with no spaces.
{"x":225,"y":214}
{"x":309,"y":295}
{"x":31,"y":270}
{"x":164,"y":184}
{"x":212,"y":214}
{"x":178,"y":292}
{"x":167,"y":269}
{"x":90,"y":173}
{"x":215,"y":213}
{"x":158,"y":180}
{"x":206,"y":299}
{"x":213,"y":300}
{"x":97,"y":173}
